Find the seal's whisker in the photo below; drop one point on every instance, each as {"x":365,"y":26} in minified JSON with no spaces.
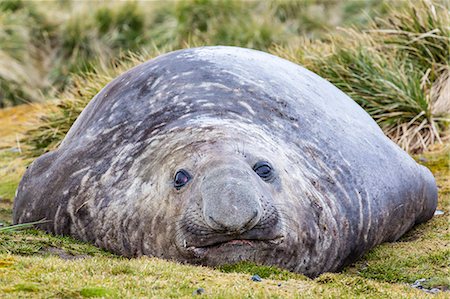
{"x":197,"y":154}
{"x":192,"y":225}
{"x":289,"y":218}
{"x":235,"y":147}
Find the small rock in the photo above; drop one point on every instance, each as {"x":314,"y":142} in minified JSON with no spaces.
{"x":198,"y":291}
{"x":423,"y":159}
{"x":418,"y":285}
{"x":438,"y":213}
{"x":434,"y":291}
{"x":419,"y":281}
{"x":256,"y":278}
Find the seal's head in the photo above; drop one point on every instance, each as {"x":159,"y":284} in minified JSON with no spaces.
{"x":223,"y":193}
{"x":231,"y":212}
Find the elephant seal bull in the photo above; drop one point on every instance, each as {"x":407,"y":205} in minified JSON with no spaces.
{"x":216,"y":155}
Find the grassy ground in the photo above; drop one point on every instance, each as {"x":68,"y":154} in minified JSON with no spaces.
{"x":34,"y":264}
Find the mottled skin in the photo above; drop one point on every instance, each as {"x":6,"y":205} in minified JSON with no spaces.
{"x":339,"y":187}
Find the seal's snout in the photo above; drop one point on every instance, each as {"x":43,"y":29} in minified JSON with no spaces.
{"x":231,"y":204}
{"x":232,"y":209}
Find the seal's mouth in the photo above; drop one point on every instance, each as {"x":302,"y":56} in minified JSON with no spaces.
{"x":245,"y":244}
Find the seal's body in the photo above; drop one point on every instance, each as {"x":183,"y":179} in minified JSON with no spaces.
{"x":216,"y":155}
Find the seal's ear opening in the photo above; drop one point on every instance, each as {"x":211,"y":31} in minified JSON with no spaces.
{"x":182,"y":177}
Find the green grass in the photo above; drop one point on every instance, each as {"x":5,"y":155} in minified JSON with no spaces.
{"x":5,"y":213}
{"x":26,"y":287}
{"x":395,"y":263}
{"x":17,"y":227}
{"x":90,"y":292}
{"x":265,"y":272}
{"x":52,"y":276}
{"x":9,"y":174}
{"x":32,"y":242}
{"x":8,"y":188}
{"x":440,"y":283}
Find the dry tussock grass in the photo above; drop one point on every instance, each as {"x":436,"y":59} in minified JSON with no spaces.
{"x":398,"y":71}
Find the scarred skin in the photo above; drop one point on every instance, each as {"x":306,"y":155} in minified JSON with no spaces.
{"x":338,"y":186}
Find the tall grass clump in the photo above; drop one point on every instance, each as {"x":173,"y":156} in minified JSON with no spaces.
{"x":398,"y":71}
{"x":22,"y":51}
{"x":217,"y":22}
{"x":312,"y":18}
{"x":43,"y":45}
{"x":315,"y":18}
{"x":94,"y":36}
{"x":256,"y":24}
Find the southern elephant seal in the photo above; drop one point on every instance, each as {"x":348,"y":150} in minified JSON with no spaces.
{"x":216,"y":155}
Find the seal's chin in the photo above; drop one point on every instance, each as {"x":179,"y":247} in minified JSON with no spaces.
{"x":233,"y":245}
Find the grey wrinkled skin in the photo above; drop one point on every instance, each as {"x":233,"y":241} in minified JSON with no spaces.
{"x":339,"y":186}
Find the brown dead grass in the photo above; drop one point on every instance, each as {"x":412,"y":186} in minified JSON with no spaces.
{"x":15,"y":121}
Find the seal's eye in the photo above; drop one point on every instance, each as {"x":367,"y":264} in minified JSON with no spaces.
{"x":182,"y":177}
{"x":264,"y":170}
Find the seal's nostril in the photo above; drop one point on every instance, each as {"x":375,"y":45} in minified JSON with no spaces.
{"x":252,"y":222}
{"x":214,"y":221}
{"x":230,"y":201}
{"x":232,"y":222}
{"x":218,"y":226}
